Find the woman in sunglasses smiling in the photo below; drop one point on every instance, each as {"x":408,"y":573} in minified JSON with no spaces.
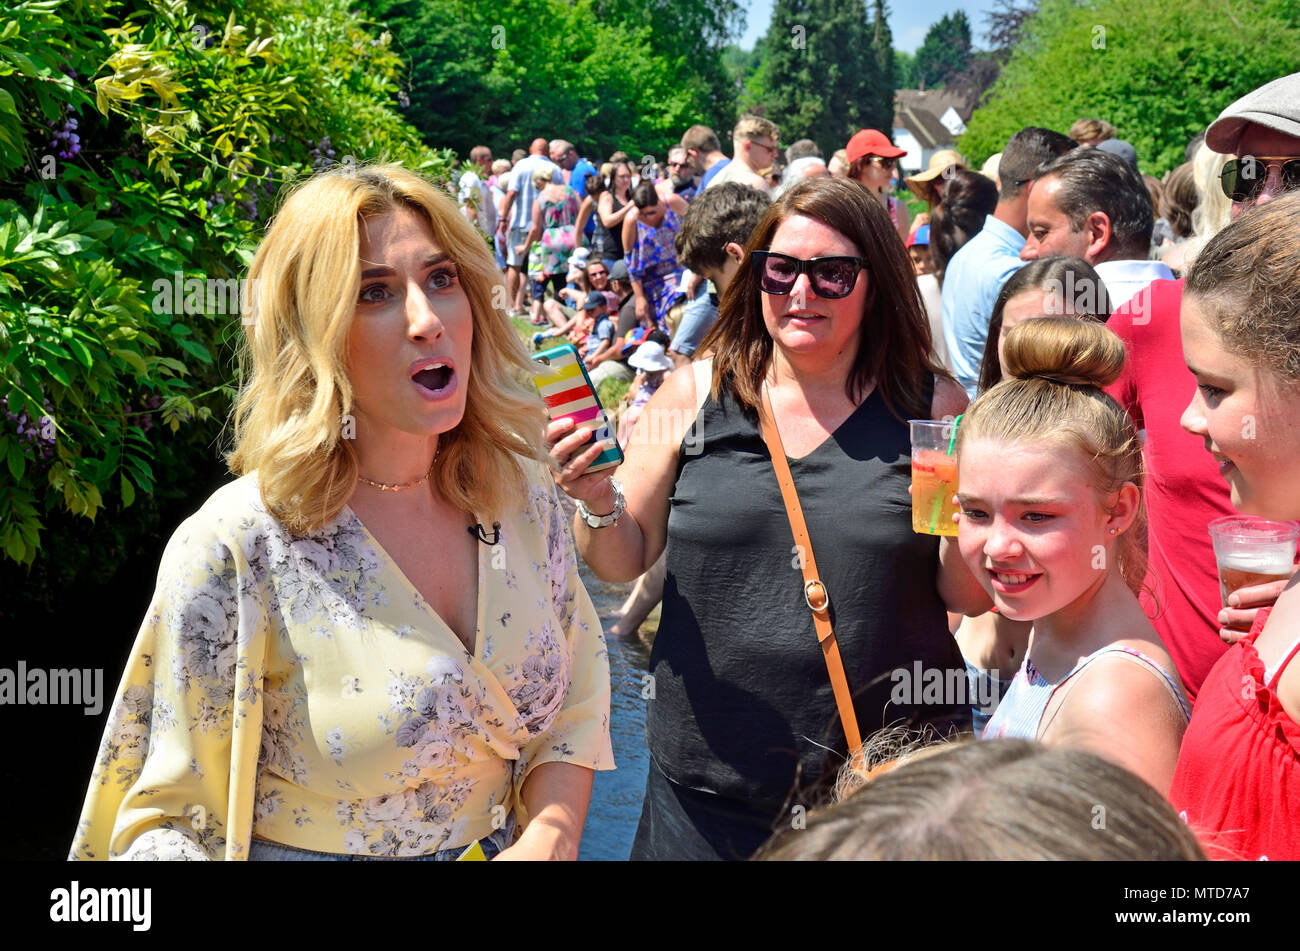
{"x":823,"y":324}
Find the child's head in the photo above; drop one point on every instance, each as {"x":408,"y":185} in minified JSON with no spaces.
{"x":1050,"y":472}
{"x":995,"y":800}
{"x":918,"y":249}
{"x":1241,"y":340}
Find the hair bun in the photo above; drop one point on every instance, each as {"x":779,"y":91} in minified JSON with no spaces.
{"x":1063,"y":350}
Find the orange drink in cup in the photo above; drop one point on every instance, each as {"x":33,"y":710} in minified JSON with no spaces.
{"x":934,"y":476}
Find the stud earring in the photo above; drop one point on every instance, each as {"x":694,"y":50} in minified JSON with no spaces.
{"x":1112,"y":531}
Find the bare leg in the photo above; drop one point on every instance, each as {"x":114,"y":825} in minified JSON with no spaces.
{"x":648,"y":592}
{"x":512,"y":285}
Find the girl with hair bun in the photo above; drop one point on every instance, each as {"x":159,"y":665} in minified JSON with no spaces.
{"x":1052,"y":526}
{"x":1238,"y":778}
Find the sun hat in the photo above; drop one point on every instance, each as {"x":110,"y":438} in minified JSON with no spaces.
{"x":871,"y":142}
{"x":1275,"y":105}
{"x":650,"y":357}
{"x":923,"y":184}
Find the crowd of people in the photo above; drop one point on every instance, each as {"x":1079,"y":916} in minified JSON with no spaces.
{"x":375,"y":642}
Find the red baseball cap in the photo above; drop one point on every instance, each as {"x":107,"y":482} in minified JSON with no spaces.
{"x":870,"y":142}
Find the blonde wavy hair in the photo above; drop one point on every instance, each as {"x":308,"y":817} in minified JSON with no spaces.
{"x":294,"y":391}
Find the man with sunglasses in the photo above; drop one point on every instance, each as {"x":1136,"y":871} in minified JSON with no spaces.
{"x":1262,"y":129}
{"x":1184,"y":491}
{"x":681,"y":173}
{"x":756,"y":143}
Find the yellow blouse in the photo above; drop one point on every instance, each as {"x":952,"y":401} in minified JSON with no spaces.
{"x":300,"y":688}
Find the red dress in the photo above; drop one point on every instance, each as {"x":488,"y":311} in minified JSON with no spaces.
{"x":1237,"y":784}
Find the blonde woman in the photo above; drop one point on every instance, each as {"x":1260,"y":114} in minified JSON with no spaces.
{"x":374,"y":643}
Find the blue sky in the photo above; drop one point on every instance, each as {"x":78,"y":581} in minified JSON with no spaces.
{"x":908,"y":20}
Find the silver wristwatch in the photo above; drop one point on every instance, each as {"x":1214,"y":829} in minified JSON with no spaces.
{"x":604,"y":521}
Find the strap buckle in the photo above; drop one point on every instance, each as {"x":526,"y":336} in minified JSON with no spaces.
{"x":816,"y":596}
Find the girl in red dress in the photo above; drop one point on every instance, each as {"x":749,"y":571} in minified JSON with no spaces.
{"x":1238,"y":777}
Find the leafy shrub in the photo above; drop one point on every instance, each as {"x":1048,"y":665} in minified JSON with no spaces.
{"x":142,"y":146}
{"x":1160,"y":71}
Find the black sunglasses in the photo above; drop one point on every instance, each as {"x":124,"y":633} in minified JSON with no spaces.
{"x":831,"y":277}
{"x":1243,"y":178}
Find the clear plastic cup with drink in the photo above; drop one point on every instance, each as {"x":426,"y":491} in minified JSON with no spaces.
{"x":1251,"y":550}
{"x":934,"y":476}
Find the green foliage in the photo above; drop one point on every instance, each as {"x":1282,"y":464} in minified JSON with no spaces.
{"x":1158,"y":70}
{"x":946,"y":50}
{"x":822,"y":77}
{"x":907,"y":75}
{"x":882,"y":74}
{"x":191,"y":118}
{"x":606,"y":74}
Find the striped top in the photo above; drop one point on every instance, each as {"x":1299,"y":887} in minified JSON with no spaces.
{"x":1021,"y":711}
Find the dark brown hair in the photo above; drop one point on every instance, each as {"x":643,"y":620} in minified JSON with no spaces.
{"x":1070,"y":280}
{"x":894,"y":336}
{"x":966,"y":198}
{"x":1006,"y":799}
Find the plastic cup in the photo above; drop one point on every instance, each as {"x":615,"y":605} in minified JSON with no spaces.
{"x":934,"y":476}
{"x":1251,"y":550}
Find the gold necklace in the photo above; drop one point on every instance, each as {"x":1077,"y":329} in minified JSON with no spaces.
{"x":385,"y":487}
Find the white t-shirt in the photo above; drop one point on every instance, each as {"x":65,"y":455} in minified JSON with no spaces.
{"x":473,"y":186}
{"x":521,"y":181}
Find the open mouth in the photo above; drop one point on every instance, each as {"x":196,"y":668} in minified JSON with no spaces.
{"x":1007,"y":582}
{"x":434,"y":380}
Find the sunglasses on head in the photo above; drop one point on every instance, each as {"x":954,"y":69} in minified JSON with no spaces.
{"x":831,"y":277}
{"x":1243,"y":178}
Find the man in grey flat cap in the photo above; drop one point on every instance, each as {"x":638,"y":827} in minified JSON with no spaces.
{"x":1184,"y":490}
{"x":1262,"y":129}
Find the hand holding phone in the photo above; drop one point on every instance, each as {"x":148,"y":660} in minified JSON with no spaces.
{"x":580,"y":438}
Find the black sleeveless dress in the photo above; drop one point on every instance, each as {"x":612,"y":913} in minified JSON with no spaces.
{"x":742,"y":710}
{"x":606,"y":244}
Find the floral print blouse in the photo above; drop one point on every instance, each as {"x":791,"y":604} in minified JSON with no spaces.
{"x":300,"y":688}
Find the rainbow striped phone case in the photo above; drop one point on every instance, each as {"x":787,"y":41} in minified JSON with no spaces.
{"x":566,"y":390}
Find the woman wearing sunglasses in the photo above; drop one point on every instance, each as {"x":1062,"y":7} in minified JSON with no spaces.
{"x":872,"y":160}
{"x":824,"y":329}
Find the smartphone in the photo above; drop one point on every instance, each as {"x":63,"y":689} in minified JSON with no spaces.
{"x":562,"y":380}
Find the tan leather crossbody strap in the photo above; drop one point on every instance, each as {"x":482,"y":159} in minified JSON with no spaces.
{"x":815,"y":593}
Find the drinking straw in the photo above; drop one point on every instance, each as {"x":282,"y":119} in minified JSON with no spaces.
{"x":938,"y":499}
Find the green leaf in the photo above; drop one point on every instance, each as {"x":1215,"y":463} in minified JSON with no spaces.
{"x":60,"y":374}
{"x":16,"y":460}
{"x":81,"y":352}
{"x":128,"y":492}
{"x":195,"y":349}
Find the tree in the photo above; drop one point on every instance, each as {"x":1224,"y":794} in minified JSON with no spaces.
{"x":822,"y":77}
{"x":504,"y":74}
{"x":1158,"y":70}
{"x":946,"y":50}
{"x":689,"y":36}
{"x":878,"y":109}
{"x":906,"y":69}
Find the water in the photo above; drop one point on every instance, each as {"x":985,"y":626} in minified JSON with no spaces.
{"x":616,"y":794}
